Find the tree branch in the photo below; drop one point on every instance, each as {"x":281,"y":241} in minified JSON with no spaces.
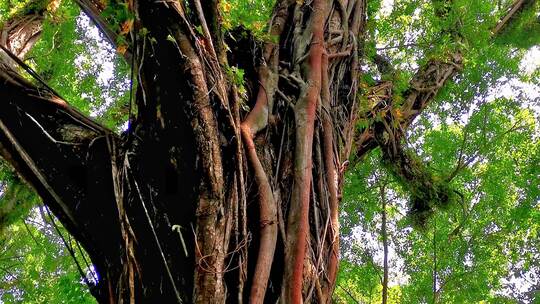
{"x":69,"y":177}
{"x":515,"y":8}
{"x":423,"y":88}
{"x":94,"y":13}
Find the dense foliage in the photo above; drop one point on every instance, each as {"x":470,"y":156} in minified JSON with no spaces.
{"x":481,"y":138}
{"x":480,"y":141}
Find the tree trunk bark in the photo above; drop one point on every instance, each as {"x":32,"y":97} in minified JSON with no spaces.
{"x":176,"y":206}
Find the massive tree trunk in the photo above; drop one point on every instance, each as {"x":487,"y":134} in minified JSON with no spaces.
{"x":200,"y":200}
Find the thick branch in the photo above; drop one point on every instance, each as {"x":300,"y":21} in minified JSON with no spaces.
{"x":18,"y":36}
{"x":58,"y":151}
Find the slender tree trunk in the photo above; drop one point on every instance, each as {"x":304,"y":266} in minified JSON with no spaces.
{"x":384,"y":234}
{"x":434,"y":289}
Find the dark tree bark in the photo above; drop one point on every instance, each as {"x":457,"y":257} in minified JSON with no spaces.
{"x":202,"y":201}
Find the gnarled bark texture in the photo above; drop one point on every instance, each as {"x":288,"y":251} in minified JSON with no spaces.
{"x":199,"y":200}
